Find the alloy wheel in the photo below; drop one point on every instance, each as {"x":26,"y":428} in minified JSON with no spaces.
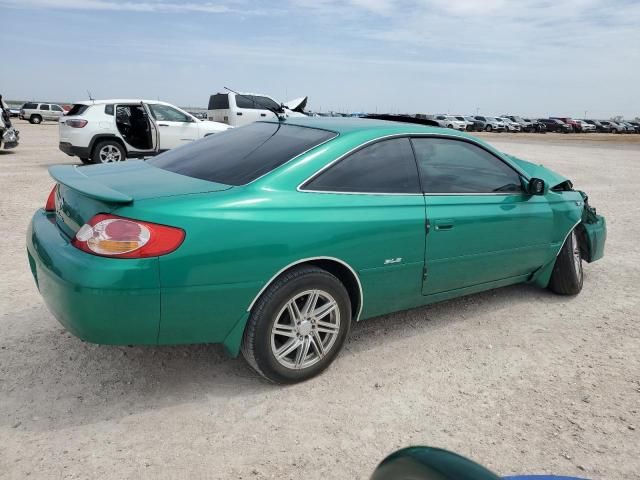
{"x":577,"y":257}
{"x":109,"y":154}
{"x":305,"y":329}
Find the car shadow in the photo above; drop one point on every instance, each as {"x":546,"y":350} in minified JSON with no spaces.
{"x":51,"y":380}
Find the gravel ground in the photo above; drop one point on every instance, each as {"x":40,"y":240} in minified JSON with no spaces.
{"x":519,"y":379}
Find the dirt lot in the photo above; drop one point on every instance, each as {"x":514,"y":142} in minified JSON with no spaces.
{"x":520,"y":379}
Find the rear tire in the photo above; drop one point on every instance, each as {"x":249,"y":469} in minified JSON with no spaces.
{"x":567,"y":276}
{"x":284,"y":340}
{"x":35,"y":119}
{"x":108,"y":151}
{"x":488,"y":128}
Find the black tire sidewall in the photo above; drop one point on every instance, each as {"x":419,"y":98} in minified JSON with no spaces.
{"x":266,"y":316}
{"x":35,"y":119}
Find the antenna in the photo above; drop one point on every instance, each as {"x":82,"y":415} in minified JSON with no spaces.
{"x":278,"y":113}
{"x":90,"y":97}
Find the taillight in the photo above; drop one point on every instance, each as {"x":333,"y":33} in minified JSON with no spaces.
{"x":50,"y":206}
{"x":113,"y":236}
{"x":75,"y":123}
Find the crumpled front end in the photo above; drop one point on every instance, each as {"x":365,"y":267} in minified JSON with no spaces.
{"x":10,"y":138}
{"x":594,"y":232}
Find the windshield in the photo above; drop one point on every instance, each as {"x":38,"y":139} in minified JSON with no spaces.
{"x":240,"y":155}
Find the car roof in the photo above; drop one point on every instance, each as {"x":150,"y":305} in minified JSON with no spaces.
{"x":120,"y":100}
{"x":344,"y":125}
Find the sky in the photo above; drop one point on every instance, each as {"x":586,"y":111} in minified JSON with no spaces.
{"x":528,"y":57}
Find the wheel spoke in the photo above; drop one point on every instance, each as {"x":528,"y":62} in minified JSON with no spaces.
{"x":310,"y":304}
{"x":324,"y":310}
{"x":294,"y":311}
{"x":326,"y":327}
{"x":317,"y":344}
{"x":288,"y":347}
{"x":303,"y":352}
{"x":284,"y":330}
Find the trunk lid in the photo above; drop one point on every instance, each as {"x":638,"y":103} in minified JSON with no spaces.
{"x":85,"y":191}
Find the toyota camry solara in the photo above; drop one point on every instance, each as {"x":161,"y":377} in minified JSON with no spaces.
{"x":273,"y":238}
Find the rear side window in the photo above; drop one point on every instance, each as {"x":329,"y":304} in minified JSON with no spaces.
{"x":240,"y":155}
{"x":108,"y":109}
{"x":31,"y":106}
{"x":255,"y":102}
{"x":455,"y":167}
{"x":44,"y":106}
{"x":219,"y":101}
{"x":384,"y":167}
{"x":77,"y":109}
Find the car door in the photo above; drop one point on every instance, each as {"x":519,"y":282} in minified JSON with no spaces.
{"x":482,"y":226}
{"x":45,"y":111}
{"x":175,"y":128}
{"x":56,"y":112}
{"x":371,"y":203}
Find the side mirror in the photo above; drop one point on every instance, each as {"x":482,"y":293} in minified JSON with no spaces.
{"x":536,"y":186}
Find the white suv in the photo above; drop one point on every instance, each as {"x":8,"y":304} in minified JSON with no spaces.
{"x":102,"y":131}
{"x":237,"y":109}
{"x":449,"y":121}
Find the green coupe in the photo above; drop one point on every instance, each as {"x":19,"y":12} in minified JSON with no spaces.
{"x":273,"y":238}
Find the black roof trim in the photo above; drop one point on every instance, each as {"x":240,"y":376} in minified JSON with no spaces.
{"x":402,"y":118}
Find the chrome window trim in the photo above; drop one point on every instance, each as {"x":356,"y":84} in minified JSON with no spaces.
{"x":308,"y":259}
{"x":517,"y":169}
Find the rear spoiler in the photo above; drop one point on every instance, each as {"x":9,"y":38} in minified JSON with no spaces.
{"x":72,"y":177}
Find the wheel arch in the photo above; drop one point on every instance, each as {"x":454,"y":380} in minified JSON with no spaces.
{"x":338,"y":268}
{"x":105,"y":136}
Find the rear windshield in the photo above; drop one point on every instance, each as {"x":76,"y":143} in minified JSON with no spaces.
{"x":219,"y":101}
{"x":77,"y":109}
{"x":240,"y":155}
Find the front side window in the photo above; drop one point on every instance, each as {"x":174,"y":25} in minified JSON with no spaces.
{"x":455,"y":166}
{"x":44,"y":106}
{"x":240,"y":155}
{"x":167,"y":113}
{"x":384,"y":167}
{"x":56,"y":108}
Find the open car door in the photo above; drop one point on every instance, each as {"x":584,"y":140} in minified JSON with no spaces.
{"x":137,"y":128}
{"x":154,"y":133}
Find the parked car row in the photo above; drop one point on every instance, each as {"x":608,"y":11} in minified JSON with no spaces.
{"x":514,"y":123}
{"x":481,"y":123}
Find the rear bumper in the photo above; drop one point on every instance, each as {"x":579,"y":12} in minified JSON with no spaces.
{"x":98,"y":299}
{"x":71,"y":150}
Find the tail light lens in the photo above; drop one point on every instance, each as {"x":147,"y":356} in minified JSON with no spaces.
{"x":50,"y":206}
{"x":75,"y":123}
{"x":113,"y":236}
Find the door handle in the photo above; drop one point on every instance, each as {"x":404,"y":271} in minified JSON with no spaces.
{"x":444,"y":225}
{"x":163,"y":125}
{"x":263,"y":114}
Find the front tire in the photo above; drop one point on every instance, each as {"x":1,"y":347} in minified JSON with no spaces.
{"x":567,"y":276}
{"x":35,"y":119}
{"x":488,"y":128}
{"x":298,"y":326}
